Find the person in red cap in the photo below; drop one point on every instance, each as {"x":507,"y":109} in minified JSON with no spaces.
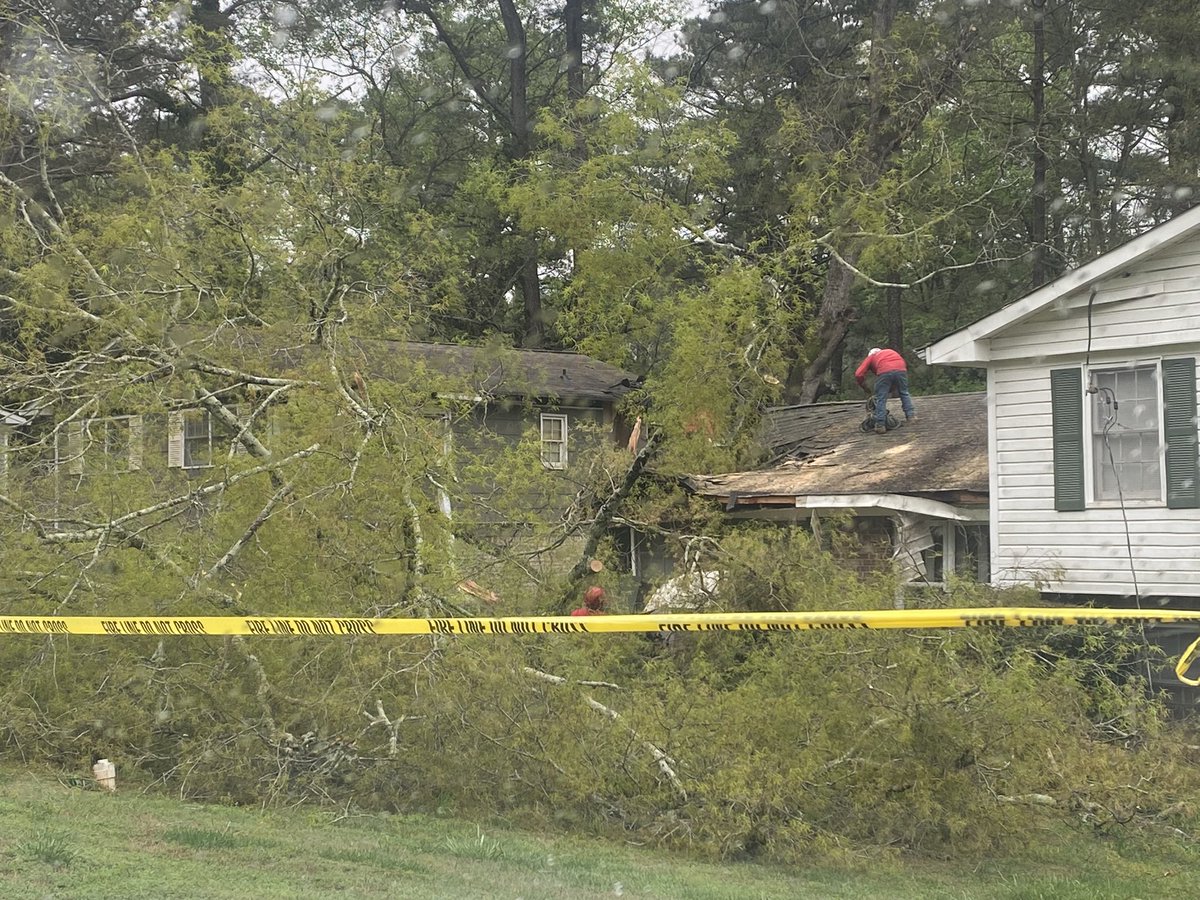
{"x":891,"y":374}
{"x":593,"y":602}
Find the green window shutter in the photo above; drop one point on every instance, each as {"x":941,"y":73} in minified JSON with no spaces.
{"x":1179,"y":425}
{"x":1066,"y":395}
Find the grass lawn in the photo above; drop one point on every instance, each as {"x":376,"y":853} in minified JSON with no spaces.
{"x":61,"y":841}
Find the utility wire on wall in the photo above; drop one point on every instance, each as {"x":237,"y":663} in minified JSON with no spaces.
{"x":1112,"y":406}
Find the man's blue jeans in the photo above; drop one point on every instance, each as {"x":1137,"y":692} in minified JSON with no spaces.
{"x":884,"y":383}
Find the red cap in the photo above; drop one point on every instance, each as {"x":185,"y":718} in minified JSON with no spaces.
{"x":593,"y":597}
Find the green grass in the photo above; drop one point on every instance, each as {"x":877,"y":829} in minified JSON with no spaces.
{"x":58,"y":840}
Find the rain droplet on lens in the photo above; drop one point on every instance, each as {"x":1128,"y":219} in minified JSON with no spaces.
{"x":285,"y":15}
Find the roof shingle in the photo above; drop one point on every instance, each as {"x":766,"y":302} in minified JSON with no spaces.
{"x":824,"y":451}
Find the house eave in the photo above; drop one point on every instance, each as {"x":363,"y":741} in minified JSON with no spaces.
{"x":892,"y":503}
{"x":970,"y":345}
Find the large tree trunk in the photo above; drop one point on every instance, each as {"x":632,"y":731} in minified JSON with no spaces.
{"x":886,"y":128}
{"x":573,"y":27}
{"x":214,"y":77}
{"x":518,"y":74}
{"x":837,"y":314}
{"x":1037,"y":225}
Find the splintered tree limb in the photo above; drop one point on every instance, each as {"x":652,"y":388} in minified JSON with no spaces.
{"x":605,"y":513}
{"x":222,"y":414}
{"x":666,"y":765}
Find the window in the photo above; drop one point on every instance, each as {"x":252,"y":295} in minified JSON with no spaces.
{"x":1126,"y":434}
{"x":974,"y":553}
{"x":554,"y":441}
{"x":928,"y":551}
{"x":1133,"y":439}
{"x":935,"y":555}
{"x":112,"y":445}
{"x":190,"y":440}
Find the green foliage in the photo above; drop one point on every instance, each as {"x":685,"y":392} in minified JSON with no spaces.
{"x":763,"y":745}
{"x":50,"y":848}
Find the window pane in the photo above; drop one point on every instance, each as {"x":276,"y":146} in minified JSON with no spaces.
{"x":195,"y":424}
{"x":116,"y":445}
{"x":197,"y":439}
{"x":1125,"y":424}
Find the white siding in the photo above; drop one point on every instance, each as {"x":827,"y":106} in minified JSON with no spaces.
{"x":1076,"y":552}
{"x":1150,"y":309}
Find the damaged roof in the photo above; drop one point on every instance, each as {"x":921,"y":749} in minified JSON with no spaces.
{"x":820,"y":449}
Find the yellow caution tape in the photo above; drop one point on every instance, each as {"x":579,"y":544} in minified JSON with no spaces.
{"x":303,"y":626}
{"x":1185,"y":663}
{"x":306,"y":626}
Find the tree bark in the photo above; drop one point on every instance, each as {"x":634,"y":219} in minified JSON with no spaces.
{"x":573,"y":27}
{"x":886,"y":129}
{"x":837,"y":315}
{"x":1037,"y":225}
{"x":529,"y":280}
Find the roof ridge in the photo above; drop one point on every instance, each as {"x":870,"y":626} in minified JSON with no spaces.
{"x":484,"y":347}
{"x":859,"y":403}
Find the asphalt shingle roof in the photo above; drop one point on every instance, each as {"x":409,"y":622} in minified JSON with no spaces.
{"x":822,"y":450}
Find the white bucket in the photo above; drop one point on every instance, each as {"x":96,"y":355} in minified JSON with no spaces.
{"x":106,"y":775}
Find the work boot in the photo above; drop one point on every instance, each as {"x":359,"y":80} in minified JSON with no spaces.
{"x":911,"y":419}
{"x":881,"y":429}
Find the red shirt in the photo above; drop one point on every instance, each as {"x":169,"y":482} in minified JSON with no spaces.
{"x":883,"y":361}
{"x":584,"y":611}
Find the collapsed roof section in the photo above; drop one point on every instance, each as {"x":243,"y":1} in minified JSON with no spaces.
{"x":823,"y":459}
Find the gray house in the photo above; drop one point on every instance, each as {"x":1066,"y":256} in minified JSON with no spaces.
{"x":8,"y":422}
{"x":916,"y":497}
{"x":494,"y":398}
{"x":554,"y":408}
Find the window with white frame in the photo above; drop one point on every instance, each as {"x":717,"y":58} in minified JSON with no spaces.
{"x":946,"y":548}
{"x":1126,"y":433}
{"x":190,"y":439}
{"x":554,"y":441}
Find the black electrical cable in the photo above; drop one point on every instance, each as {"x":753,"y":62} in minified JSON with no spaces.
{"x":1109,"y":396}
{"x":1110,"y":399}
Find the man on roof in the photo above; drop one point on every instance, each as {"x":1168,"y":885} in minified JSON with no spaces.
{"x":891,"y":376}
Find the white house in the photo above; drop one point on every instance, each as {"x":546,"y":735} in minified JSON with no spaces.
{"x":1092,"y":430}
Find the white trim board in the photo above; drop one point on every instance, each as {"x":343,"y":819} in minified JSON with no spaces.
{"x":892,"y":503}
